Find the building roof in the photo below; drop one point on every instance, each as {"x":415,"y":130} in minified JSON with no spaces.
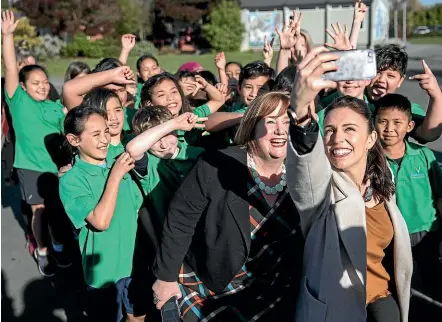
{"x":277,"y":4}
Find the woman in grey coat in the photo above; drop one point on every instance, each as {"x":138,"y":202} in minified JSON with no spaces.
{"x":357,"y":258}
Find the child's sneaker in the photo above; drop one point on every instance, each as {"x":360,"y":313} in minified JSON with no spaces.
{"x":45,"y":264}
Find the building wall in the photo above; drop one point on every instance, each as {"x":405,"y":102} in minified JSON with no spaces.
{"x":260,"y":23}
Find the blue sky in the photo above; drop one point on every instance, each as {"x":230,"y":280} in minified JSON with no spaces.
{"x":429,"y":2}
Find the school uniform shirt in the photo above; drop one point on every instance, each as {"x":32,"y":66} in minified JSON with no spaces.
{"x":113,"y":152}
{"x":164,"y":176}
{"x":129,"y":113}
{"x":38,"y":129}
{"x":417,"y":112}
{"x":106,"y":255}
{"x":418,"y":179}
{"x":190,"y":137}
{"x":138,"y":96}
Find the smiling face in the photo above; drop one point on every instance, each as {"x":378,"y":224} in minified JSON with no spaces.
{"x":37,"y":85}
{"x":166,"y":147}
{"x":93,"y":142}
{"x":167,"y":94}
{"x":392,"y":126}
{"x":353,"y":88}
{"x":347,"y":141}
{"x":385,"y":82}
{"x":250,"y":88}
{"x":115,"y":117}
{"x":271,"y":135}
{"x":148,"y":68}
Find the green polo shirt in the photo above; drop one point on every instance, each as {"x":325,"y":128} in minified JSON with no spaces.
{"x":190,"y":137}
{"x":106,"y":255}
{"x":164,"y":176}
{"x":138,"y":96}
{"x":113,"y":152}
{"x":417,"y":113}
{"x":418,"y":181}
{"x":239,"y":107}
{"x":129,"y":113}
{"x":38,"y":126}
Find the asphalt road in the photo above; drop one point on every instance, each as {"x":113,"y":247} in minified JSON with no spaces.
{"x":26,"y":296}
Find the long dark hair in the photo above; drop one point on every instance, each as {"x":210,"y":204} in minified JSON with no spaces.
{"x":377,"y":170}
{"x":151,"y":83}
{"x":76,"y":68}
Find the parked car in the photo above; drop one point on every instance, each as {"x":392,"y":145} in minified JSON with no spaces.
{"x":421,"y":30}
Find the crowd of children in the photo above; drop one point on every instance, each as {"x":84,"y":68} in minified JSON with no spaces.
{"x":101,"y":163}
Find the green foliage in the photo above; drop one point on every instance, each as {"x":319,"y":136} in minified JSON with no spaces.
{"x":142,"y":48}
{"x":81,"y":46}
{"x":50,"y":47}
{"x":431,"y":16}
{"x":25,"y":35}
{"x":224,"y":29}
{"x":131,"y":15}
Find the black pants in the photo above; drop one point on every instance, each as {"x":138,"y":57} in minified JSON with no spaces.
{"x":384,"y":309}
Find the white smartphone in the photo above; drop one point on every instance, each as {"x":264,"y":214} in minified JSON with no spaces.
{"x":353,"y":65}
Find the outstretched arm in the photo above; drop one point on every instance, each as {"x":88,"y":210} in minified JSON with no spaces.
{"x":9,"y":24}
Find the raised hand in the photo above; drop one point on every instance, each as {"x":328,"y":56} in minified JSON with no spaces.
{"x":123,"y":75}
{"x":128,"y":42}
{"x":220,"y":60}
{"x":9,"y":24}
{"x":427,"y":81}
{"x":290,"y":33}
{"x":187,"y":121}
{"x":360,"y":10}
{"x":267,"y":51}
{"x":309,"y":82}
{"x":340,"y":37}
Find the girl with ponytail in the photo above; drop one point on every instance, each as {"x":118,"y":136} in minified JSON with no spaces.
{"x":357,"y":255}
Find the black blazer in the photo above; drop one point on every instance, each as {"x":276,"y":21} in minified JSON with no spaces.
{"x":208,"y":222}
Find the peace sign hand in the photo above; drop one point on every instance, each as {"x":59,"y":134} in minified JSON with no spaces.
{"x":9,"y":24}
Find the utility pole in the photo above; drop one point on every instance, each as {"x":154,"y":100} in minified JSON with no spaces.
{"x":396,"y":32}
{"x":404,"y":22}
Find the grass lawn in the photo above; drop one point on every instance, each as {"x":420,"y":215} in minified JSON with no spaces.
{"x":426,"y":40}
{"x":170,"y":63}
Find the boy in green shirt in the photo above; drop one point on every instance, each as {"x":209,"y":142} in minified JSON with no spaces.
{"x":418,"y":179}
{"x":169,"y":160}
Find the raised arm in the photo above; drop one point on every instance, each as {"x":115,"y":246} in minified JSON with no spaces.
{"x":144,"y":141}
{"x":216,"y":98}
{"x":358,"y":17}
{"x":431,"y":128}
{"x":287,"y":40}
{"x":9,"y":24}
{"x":267,"y":51}
{"x":308,"y":169}
{"x":127,"y":44}
{"x":220,"y":62}
{"x":222,"y":120}
{"x":75,"y":89}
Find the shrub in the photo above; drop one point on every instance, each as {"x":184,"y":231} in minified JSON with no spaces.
{"x":81,"y":46}
{"x":50,"y":48}
{"x":25,"y":35}
{"x":143,"y":47}
{"x":225,"y":29}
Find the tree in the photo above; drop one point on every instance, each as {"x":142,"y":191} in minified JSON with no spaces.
{"x":188,"y":10}
{"x":224,"y":29}
{"x":25,"y":36}
{"x":71,"y":15}
{"x":131,"y":14}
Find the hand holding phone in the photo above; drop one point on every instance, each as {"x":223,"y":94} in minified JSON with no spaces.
{"x":353,"y":65}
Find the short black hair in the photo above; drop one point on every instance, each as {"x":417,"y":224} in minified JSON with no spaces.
{"x":23,"y":75}
{"x":184,"y":74}
{"x":144,"y":57}
{"x":254,"y":70}
{"x":392,"y":57}
{"x":78,"y":116}
{"x":234,"y":63}
{"x":208,"y":76}
{"x":107,"y":64}
{"x":285,"y":79}
{"x":98,"y":98}
{"x":393,"y":102}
